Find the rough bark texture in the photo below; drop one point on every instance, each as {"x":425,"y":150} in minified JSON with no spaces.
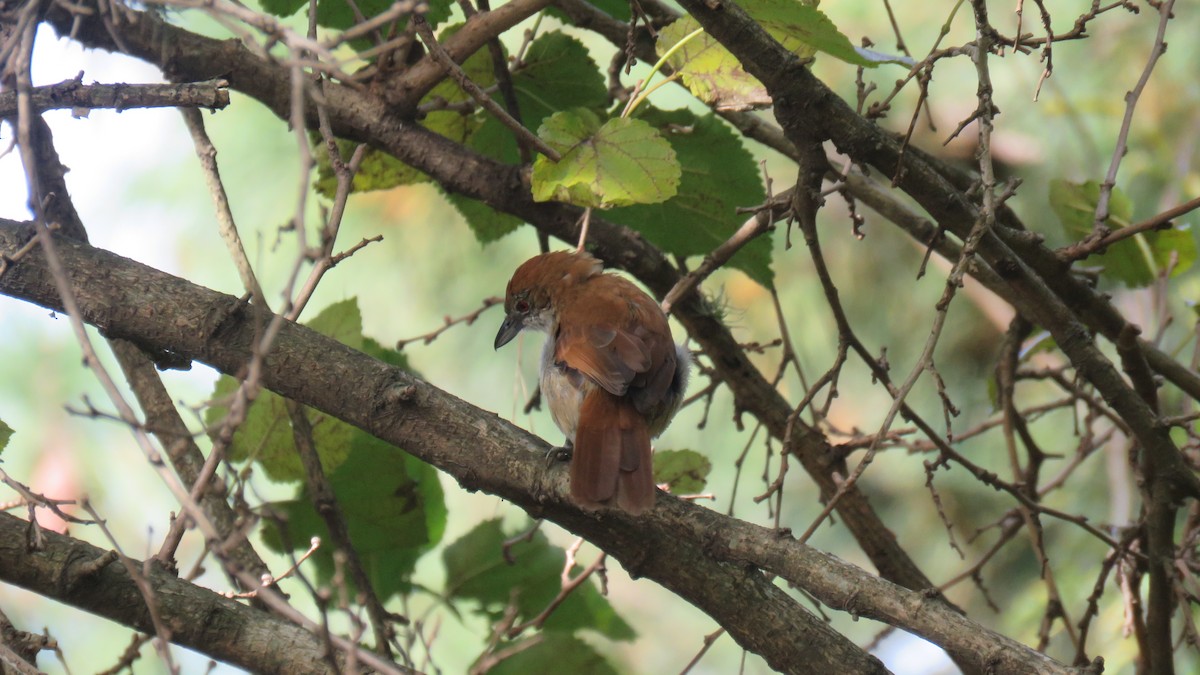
{"x":711,"y":560}
{"x":197,"y":618}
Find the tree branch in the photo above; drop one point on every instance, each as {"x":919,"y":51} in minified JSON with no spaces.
{"x":212,"y":94}
{"x":196,"y":617}
{"x":485,"y":453}
{"x":359,"y":116}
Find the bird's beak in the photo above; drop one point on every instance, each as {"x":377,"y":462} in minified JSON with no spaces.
{"x":512,"y":325}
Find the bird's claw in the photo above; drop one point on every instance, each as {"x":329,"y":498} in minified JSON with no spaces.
{"x":559,"y":454}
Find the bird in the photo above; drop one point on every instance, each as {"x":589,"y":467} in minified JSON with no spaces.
{"x":611,"y":372}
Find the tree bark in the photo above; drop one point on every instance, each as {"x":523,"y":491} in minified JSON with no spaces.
{"x":715,"y":562}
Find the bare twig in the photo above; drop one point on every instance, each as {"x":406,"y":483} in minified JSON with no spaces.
{"x":213,"y":95}
{"x":753,"y":227}
{"x":1162,"y":221}
{"x":448,"y":323}
{"x":455,"y":71}
{"x":1100,"y":227}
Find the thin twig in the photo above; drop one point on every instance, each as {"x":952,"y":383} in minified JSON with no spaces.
{"x":1100,"y":223}
{"x":464,"y":82}
{"x":212,"y":94}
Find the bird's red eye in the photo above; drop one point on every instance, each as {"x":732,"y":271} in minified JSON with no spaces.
{"x":522,"y":306}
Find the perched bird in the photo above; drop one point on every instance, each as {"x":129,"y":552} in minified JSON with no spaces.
{"x":611,"y":374}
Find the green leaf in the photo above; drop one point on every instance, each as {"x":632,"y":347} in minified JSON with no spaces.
{"x":801,"y":28}
{"x":381,"y":171}
{"x":339,"y":14}
{"x":686,"y":471}
{"x":496,"y":141}
{"x":378,"y":171}
{"x":6,"y":433}
{"x":1075,"y":205}
{"x":709,"y":71}
{"x":719,"y":175}
{"x":557,"y":74}
{"x":476,"y":570}
{"x":282,"y":8}
{"x":1135,"y":261}
{"x":617,"y":9}
{"x":455,"y":125}
{"x":716,"y":77}
{"x":341,"y":321}
{"x":392,"y":357}
{"x":1178,"y":242}
{"x":266,"y":434}
{"x":487,"y":223}
{"x":555,"y":653}
{"x":394,"y":511}
{"x":617,"y":163}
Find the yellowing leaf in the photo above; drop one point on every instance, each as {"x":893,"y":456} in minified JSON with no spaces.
{"x":617,"y":163}
{"x":716,"y":77}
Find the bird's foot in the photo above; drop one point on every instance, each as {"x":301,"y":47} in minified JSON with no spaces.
{"x":560,"y":454}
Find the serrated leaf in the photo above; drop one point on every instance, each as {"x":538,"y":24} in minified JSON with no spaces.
{"x":394,"y":511}
{"x":617,"y":9}
{"x":1131,"y":261}
{"x":381,"y":171}
{"x":392,"y":357}
{"x":456,"y":125}
{"x":555,"y":653}
{"x":265,"y":436}
{"x":686,"y":471}
{"x":616,"y":163}
{"x":709,"y":71}
{"x":340,"y":14}
{"x":6,"y":433}
{"x":282,"y":8}
{"x":378,"y":170}
{"x":557,"y":74}
{"x":719,"y":175}
{"x":341,"y":321}
{"x":1075,"y":206}
{"x":476,"y":570}
{"x":716,"y":77}
{"x":1178,"y":243}
{"x":486,"y":223}
{"x":801,"y":27}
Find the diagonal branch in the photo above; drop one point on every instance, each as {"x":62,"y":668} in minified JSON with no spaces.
{"x":455,"y":71}
{"x":197,"y":617}
{"x":359,"y":116}
{"x":483,"y":452}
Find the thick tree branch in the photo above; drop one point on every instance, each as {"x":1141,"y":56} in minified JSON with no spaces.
{"x":126,"y":299}
{"x":196,"y":617}
{"x":357,"y":115}
{"x":407,"y":89}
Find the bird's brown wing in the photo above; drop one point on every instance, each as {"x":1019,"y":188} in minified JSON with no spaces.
{"x":611,"y":332}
